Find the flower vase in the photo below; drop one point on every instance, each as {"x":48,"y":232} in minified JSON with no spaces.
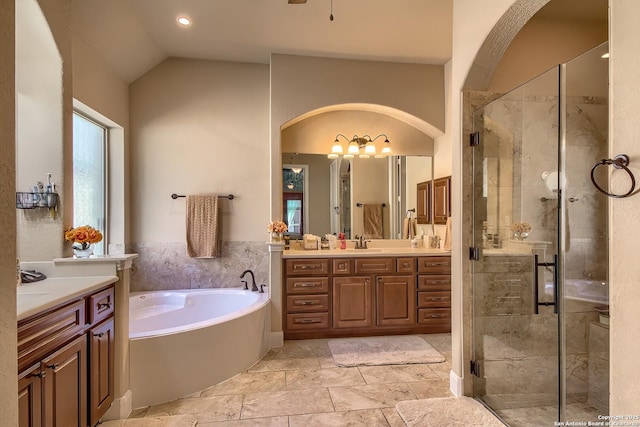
{"x":521,"y":235}
{"x":276,"y":237}
{"x":83,"y":251}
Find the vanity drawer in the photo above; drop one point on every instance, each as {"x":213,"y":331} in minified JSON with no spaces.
{"x":39,"y":336}
{"x":100,"y":305}
{"x":307,"y":285}
{"x":342,"y":266}
{"x":434,"y":316}
{"x":406,"y":265}
{"x":434,"y":299}
{"x":307,"y":267}
{"x":304,"y":303}
{"x":297,"y":322}
{"x":434,"y":264}
{"x":375,"y":265}
{"x":434,"y":282}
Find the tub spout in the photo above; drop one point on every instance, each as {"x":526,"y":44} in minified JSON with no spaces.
{"x":254,"y":288}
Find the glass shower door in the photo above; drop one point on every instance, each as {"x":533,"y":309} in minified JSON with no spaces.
{"x":516,"y":180}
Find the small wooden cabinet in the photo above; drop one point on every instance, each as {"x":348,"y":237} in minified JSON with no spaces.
{"x":441,"y":200}
{"x":66,"y":363}
{"x":423,"y":203}
{"x":357,"y":296}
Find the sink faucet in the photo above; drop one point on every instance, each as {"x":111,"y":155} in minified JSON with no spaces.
{"x":361,"y":243}
{"x":254,"y":288}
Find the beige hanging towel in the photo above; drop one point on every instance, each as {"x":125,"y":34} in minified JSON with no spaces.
{"x":372,"y":218}
{"x":409,"y":227}
{"x":446,"y":245}
{"x":202,"y":226}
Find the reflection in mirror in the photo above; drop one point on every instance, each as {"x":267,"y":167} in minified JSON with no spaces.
{"x":324,"y":197}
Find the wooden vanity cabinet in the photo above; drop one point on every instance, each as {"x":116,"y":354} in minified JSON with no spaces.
{"x":434,"y":293}
{"x":56,"y":375}
{"x":359,"y":296}
{"x":306,"y":294}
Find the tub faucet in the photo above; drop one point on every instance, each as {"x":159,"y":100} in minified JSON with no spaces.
{"x":254,"y":288}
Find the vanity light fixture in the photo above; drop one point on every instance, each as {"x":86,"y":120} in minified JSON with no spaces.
{"x":361,"y":146}
{"x":183,"y":21}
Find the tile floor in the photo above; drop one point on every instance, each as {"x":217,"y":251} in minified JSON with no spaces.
{"x":299,"y":385}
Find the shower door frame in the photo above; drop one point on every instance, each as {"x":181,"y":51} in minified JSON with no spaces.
{"x":476,"y":254}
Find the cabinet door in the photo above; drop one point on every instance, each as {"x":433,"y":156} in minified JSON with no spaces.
{"x":30,"y":397}
{"x":101,"y":375}
{"x":441,"y":200}
{"x":423,"y":205}
{"x":352,"y":302}
{"x":395,"y":300}
{"x":65,"y":385}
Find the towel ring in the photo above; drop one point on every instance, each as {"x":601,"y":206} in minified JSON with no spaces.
{"x":621,"y":161}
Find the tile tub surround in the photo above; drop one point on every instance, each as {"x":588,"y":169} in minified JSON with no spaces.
{"x":165,"y":266}
{"x":299,"y":385}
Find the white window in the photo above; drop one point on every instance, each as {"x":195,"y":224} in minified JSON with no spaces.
{"x":89,"y":176}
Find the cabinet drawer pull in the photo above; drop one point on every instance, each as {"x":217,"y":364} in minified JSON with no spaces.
{"x":437,"y":316}
{"x":104,"y":305}
{"x":39,"y":374}
{"x":307,"y":303}
{"x":309,"y":321}
{"x":99,"y":335}
{"x":438,"y":299}
{"x":435,"y":264}
{"x":405,"y":264}
{"x":52,"y":366}
{"x":438,"y":282}
{"x":304,"y":285}
{"x":306,"y":267}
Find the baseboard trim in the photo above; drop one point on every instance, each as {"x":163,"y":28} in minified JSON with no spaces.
{"x":277,"y":339}
{"x":455,"y":384}
{"x":120,"y":409}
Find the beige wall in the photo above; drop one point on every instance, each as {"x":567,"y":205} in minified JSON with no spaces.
{"x":8,"y":338}
{"x":39,"y":128}
{"x":624,"y":236}
{"x":542,"y":44}
{"x":300,"y":85}
{"x":200,"y":127}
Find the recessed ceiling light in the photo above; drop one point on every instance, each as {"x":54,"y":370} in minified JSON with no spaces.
{"x":184,"y":21}
{"x":605,"y":56}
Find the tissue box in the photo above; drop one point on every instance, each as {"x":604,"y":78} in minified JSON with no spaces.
{"x":310,"y":242}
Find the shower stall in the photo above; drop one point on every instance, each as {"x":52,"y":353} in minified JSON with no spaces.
{"x":539,"y":255}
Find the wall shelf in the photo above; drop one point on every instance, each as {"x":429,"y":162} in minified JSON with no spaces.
{"x":28,"y":200}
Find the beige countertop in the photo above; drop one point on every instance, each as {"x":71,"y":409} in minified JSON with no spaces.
{"x":371,"y":252}
{"x":39,"y":296}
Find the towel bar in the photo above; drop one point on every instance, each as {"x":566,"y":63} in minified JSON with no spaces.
{"x":360,"y":205}
{"x":230,"y":196}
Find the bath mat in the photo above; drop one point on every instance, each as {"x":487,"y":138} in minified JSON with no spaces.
{"x":446,"y":411}
{"x":167,"y":421}
{"x":393,"y":350}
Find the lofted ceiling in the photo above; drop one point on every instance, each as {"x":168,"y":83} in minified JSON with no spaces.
{"x":132,"y":36}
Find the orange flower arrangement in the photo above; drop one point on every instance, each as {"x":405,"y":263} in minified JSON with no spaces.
{"x":83,"y":235}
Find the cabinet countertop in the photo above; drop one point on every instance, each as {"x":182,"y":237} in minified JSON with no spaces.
{"x":357,"y":253}
{"x":33,"y":298}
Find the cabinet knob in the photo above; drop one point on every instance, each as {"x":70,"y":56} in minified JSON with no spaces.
{"x":99,"y":335}
{"x":52,"y":366}
{"x":41,"y":374}
{"x":104,"y":305}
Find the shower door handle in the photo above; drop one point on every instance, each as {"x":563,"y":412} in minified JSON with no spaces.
{"x":536,"y":301}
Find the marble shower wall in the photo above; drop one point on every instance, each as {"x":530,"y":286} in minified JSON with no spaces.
{"x":165,"y":266}
{"x":523,"y":133}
